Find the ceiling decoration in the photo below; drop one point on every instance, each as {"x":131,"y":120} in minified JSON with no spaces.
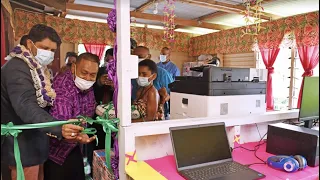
{"x":252,"y":17}
{"x":168,"y":21}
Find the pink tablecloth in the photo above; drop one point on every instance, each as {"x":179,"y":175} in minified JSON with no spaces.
{"x":167,"y":167}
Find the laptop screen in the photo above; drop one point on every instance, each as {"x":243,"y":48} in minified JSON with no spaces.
{"x":200,"y":144}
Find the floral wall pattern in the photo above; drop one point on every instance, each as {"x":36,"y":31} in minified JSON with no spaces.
{"x":78,"y":31}
{"x":305,"y":26}
{"x":225,"y":41}
{"x":231,"y":41}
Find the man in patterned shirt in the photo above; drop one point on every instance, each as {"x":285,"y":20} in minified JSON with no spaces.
{"x":75,"y":97}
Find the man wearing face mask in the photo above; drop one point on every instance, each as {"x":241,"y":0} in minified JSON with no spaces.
{"x":166,"y":63}
{"x":75,"y":97}
{"x":160,"y":83}
{"x":26,"y":95}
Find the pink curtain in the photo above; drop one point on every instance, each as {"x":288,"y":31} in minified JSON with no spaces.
{"x":269,"y":56}
{"x":3,"y":40}
{"x":309,"y":57}
{"x":97,"y":49}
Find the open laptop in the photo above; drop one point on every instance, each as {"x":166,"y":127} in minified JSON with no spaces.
{"x":202,"y":152}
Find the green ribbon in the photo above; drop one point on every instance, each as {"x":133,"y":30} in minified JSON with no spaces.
{"x":7,"y":131}
{"x":109,"y":126}
{"x":13,"y":130}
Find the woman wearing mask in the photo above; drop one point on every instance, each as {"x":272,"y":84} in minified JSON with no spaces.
{"x":75,"y":97}
{"x":147,"y":106}
{"x":147,"y":101}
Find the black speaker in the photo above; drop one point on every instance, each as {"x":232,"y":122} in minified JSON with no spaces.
{"x":286,"y":139}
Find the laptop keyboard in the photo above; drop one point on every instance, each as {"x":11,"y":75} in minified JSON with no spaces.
{"x":208,"y":172}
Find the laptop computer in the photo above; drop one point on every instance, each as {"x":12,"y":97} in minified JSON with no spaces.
{"x":202,"y":152}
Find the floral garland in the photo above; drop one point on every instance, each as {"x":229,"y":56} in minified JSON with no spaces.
{"x":112,"y":74}
{"x":253,"y":10}
{"x":168,"y":21}
{"x":41,"y":76}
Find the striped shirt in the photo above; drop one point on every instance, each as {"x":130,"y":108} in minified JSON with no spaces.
{"x":70,"y":102}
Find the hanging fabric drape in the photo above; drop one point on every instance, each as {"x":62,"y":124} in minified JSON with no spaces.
{"x":97,"y":49}
{"x":309,"y":58}
{"x":269,"y":40}
{"x":307,"y":39}
{"x":269,"y":56}
{"x":3,"y":40}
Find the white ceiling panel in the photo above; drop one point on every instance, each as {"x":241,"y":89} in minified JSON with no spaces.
{"x":233,"y":20}
{"x":182,"y":10}
{"x":109,"y":3}
{"x":87,"y":14}
{"x":291,"y":7}
{"x":233,"y":2}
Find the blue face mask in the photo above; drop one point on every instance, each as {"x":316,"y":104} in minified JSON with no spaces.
{"x":163,"y":58}
{"x":44,"y":57}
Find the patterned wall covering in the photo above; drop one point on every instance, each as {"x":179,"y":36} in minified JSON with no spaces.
{"x":78,"y":31}
{"x":227,"y":41}
{"x":231,"y":41}
{"x":307,"y":32}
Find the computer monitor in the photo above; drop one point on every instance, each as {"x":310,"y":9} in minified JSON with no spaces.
{"x":309,"y":109}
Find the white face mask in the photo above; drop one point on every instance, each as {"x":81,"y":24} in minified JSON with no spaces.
{"x":83,"y":84}
{"x":143,"y":81}
{"x":44,"y":57}
{"x":163,"y":58}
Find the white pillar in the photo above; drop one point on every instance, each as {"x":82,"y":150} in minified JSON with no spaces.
{"x":123,"y":72}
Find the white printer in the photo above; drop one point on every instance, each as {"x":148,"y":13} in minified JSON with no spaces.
{"x":218,"y":92}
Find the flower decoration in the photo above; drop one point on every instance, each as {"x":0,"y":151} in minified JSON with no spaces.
{"x":112,"y":74}
{"x":112,"y":20}
{"x":254,"y":11}
{"x":41,"y":77}
{"x":168,"y":21}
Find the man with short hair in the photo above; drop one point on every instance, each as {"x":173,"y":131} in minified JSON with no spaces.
{"x":75,"y":97}
{"x":108,"y":56}
{"x":167,"y":64}
{"x":103,"y":88}
{"x":71,"y":57}
{"x":26,"y":95}
{"x":23,"y":40}
{"x":161,"y":83}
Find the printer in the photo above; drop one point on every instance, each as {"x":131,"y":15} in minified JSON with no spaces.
{"x":218,"y":91}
